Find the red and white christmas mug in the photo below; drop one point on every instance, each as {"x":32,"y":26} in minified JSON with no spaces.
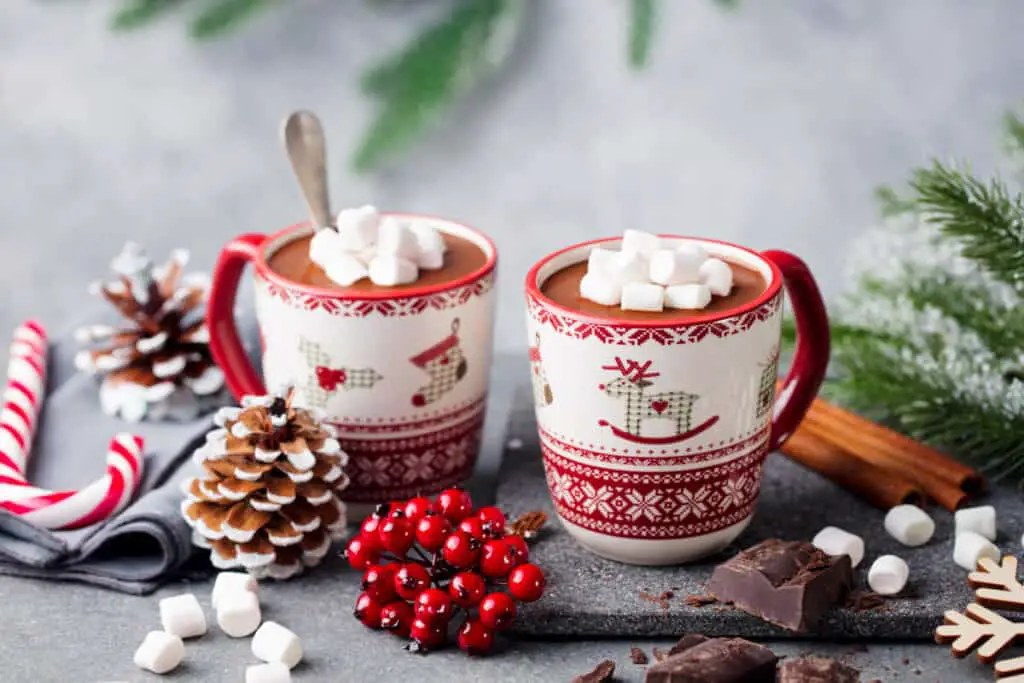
{"x":402,"y":374}
{"x":654,"y":432}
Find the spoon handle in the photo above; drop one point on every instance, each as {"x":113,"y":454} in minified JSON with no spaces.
{"x":303,"y":137}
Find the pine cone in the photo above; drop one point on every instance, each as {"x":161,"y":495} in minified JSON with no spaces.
{"x":268,"y":502}
{"x":160,"y":365}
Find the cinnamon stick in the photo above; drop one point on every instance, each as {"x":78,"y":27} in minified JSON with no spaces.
{"x":871,"y":483}
{"x":897,"y":447}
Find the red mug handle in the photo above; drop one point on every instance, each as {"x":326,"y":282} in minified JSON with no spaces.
{"x":225,"y":344}
{"x":810,"y":361}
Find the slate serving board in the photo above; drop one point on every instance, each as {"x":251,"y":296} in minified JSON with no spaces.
{"x":590,"y":596}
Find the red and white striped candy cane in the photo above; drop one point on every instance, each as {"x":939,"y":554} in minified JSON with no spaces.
{"x":98,"y":501}
{"x":22,"y":399}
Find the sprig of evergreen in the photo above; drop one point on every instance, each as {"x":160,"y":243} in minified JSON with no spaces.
{"x":641,"y":31}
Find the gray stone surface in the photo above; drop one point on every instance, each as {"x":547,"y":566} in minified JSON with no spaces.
{"x":591,"y":596}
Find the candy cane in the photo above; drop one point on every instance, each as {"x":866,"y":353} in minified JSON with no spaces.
{"x":22,"y":399}
{"x":98,"y":501}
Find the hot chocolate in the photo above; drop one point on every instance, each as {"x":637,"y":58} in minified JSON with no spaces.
{"x":462,"y":257}
{"x":563,"y":287}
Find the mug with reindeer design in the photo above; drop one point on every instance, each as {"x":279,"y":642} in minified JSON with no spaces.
{"x":654,"y":425}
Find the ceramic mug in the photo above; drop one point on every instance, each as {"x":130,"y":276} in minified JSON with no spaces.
{"x":654,"y":432}
{"x":402,"y":374}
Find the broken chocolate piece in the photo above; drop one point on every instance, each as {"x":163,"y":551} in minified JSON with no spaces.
{"x":699,"y":600}
{"x":816,"y":670}
{"x":719,"y":660}
{"x":788,"y":583}
{"x":602,"y":673}
{"x":686,"y":642}
{"x":637,"y":656}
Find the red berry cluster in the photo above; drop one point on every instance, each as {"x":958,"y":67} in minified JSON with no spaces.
{"x":424,"y":562}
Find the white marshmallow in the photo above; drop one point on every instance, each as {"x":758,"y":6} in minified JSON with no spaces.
{"x":641,"y":296}
{"x":981,"y":520}
{"x":910,"y":525}
{"x":396,"y":239}
{"x":275,"y":643}
{"x":969,"y":547}
{"x":182,"y":616}
{"x":357,"y":228}
{"x":640,"y":242}
{"x":687,"y":297}
{"x":601,"y":260}
{"x":388,"y":270}
{"x":667,"y":267}
{"x":428,"y":238}
{"x":324,"y":245}
{"x":159,"y":652}
{"x":717,"y":275}
{"x":232,"y":582}
{"x":601,"y":289}
{"x":888,"y":575}
{"x":238,"y":613}
{"x":430,"y":260}
{"x":274,"y":672}
{"x":834,"y":541}
{"x":343,"y":268}
{"x":627,"y":267}
{"x":692,"y":253}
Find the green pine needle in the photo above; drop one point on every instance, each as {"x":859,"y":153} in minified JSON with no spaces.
{"x":641,"y":32}
{"x":1014,"y":127}
{"x":136,"y":13}
{"x":891,"y":203}
{"x":223,"y":15}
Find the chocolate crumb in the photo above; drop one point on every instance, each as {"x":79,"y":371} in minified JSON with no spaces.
{"x":695,"y":600}
{"x":906,"y":662}
{"x":864,"y":601}
{"x":660,"y":600}
{"x":668,"y":595}
{"x":637,"y":656}
{"x":602,"y":673}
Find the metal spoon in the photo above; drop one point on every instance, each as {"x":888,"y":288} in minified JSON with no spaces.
{"x":303,"y":138}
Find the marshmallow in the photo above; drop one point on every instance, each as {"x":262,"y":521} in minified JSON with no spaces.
{"x":430,"y":247}
{"x":232,"y":582}
{"x":430,"y":260}
{"x":275,"y":643}
{"x":274,"y":672}
{"x":834,"y":541}
{"x":888,"y":575}
{"x":627,"y":267}
{"x":980,"y":520}
{"x":357,"y":228}
{"x":692,"y":253}
{"x":687,"y":297}
{"x":390,"y":270}
{"x":640,"y":242}
{"x":601,"y":260}
{"x":601,"y":289}
{"x":343,"y":268}
{"x":641,"y":296}
{"x":717,"y":275}
{"x":238,"y":613}
{"x":969,"y":547}
{"x":324,"y":245}
{"x":910,"y":525}
{"x":667,"y":267}
{"x":395,"y":239}
{"x":182,"y":616}
{"x":159,"y":652}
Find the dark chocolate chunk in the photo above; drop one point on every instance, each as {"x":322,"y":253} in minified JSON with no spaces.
{"x":719,"y":660}
{"x":637,"y":656}
{"x":817,"y":670}
{"x":788,"y":583}
{"x":865,"y":600}
{"x":686,"y":642}
{"x":659,"y":654}
{"x":602,"y":673}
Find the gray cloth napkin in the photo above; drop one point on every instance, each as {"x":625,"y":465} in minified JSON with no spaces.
{"x":143,"y":546}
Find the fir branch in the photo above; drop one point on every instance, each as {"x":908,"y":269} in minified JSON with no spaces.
{"x":892,"y":204}
{"x":1014,"y":127}
{"x":988,"y":221}
{"x":224,"y":15}
{"x":136,"y":13}
{"x":641,"y":31}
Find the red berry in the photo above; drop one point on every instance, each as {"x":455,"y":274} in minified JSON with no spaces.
{"x":526,"y":582}
{"x":367,"y":611}
{"x":522,"y":550}
{"x":467,"y":588}
{"x":434,"y":605}
{"x":493,"y":518}
{"x":428,"y":635}
{"x":396,"y":535}
{"x":396,"y":508}
{"x":396,"y":617}
{"x":360,"y":554}
{"x":410,"y":580}
{"x":368,"y":531}
{"x":455,"y":504}
{"x":416,"y":508}
{"x":475,"y":638}
{"x":379,"y":582}
{"x":472,"y":526}
{"x":461,"y":550}
{"x":432,"y":530}
{"x":497,"y":611}
{"x":497,"y":558}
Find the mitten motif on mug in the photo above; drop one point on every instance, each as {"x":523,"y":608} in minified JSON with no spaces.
{"x":446,"y":364}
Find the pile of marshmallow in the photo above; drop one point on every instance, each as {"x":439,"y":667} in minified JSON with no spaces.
{"x":235,"y":598}
{"x":645,"y":275}
{"x":385,"y":249}
{"x":975,"y":531}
